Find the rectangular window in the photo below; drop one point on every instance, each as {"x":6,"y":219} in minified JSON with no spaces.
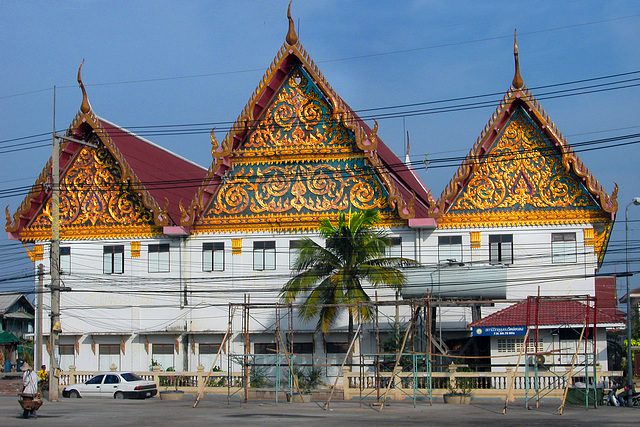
{"x":337,"y":347}
{"x":159,"y":258}
{"x":264,"y":255}
{"x":394,"y":250}
{"x":65,"y":260}
{"x":501,"y":249}
{"x":563,"y":248}
{"x":303,"y":348}
{"x":109,"y":355}
{"x":449,"y":249}
{"x":207,"y":353}
{"x":294,"y":251}
{"x":514,"y":345}
{"x":213,"y":256}
{"x":113,"y":259}
{"x":264,"y":348}
{"x":67,"y":356}
{"x":163,"y":355}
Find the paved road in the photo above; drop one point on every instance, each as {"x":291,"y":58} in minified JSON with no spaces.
{"x":214,"y":411}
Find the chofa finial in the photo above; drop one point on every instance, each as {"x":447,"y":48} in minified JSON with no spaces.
{"x":85,"y":107}
{"x":517,"y":79}
{"x":292,"y":37}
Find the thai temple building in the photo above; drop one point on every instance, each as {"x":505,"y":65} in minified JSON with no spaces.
{"x":156,"y":249}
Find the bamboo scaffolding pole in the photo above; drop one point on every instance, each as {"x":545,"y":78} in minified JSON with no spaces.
{"x":335,"y":383}
{"x":286,"y":355}
{"x":201,"y":387}
{"x":398,"y":357}
{"x":509,"y":396}
{"x":570,"y":374}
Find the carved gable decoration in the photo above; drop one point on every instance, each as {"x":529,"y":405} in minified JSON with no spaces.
{"x":300,"y":163}
{"x":300,"y":121}
{"x":522,"y":180}
{"x":95,"y":201}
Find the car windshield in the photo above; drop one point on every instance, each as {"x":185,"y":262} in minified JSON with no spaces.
{"x":129,"y":376}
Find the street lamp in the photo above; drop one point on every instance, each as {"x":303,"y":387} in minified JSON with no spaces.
{"x":635,"y":201}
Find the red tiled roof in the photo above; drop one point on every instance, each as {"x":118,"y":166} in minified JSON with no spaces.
{"x":546,"y":312}
{"x":163,"y":174}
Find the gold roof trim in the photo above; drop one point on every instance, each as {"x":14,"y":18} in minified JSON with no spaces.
{"x":222,"y":153}
{"x":570,"y":160}
{"x":160,"y":215}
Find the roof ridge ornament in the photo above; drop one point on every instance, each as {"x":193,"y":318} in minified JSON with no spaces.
{"x":85,"y":107}
{"x":517,"y":82}
{"x":292,"y":37}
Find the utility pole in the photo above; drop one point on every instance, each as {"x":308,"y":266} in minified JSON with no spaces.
{"x":54,"y":336}
{"x":37,"y":351}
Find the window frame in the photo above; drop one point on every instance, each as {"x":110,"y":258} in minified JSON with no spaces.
{"x":213,"y":257}
{"x":64,"y":260}
{"x":263,"y":252}
{"x":561,"y":253}
{"x":155,"y":262}
{"x":294,"y":252}
{"x":394,"y":249}
{"x":448,"y":242}
{"x":497,"y":243}
{"x":111,"y":253}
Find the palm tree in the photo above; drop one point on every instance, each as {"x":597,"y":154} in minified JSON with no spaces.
{"x":353,"y":255}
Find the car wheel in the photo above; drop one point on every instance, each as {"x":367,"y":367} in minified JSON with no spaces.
{"x":118,"y":395}
{"x":74,"y":394}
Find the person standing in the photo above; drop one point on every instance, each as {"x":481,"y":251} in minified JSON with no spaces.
{"x":29,"y":379}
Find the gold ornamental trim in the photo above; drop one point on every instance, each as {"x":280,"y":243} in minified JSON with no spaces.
{"x":288,"y":223}
{"x":570,"y":161}
{"x":225,"y":155}
{"x":518,"y":218}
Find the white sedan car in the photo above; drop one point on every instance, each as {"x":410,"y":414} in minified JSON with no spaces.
{"x":117,"y":385}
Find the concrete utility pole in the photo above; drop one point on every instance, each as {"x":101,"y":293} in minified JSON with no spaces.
{"x":37,"y":351}
{"x":54,"y":336}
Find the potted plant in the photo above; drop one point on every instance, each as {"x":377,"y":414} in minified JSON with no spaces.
{"x":308,"y":379}
{"x":174,"y":380}
{"x":459,"y":392}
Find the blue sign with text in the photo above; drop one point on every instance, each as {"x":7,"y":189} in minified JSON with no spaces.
{"x":494,"y":331}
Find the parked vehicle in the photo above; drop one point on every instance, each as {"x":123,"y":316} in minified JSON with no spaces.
{"x":613,"y":399}
{"x":117,"y":385}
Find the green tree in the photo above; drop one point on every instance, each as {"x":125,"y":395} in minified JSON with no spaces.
{"x":334,"y":274}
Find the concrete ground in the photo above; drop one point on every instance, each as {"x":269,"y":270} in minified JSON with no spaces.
{"x":213,"y":410}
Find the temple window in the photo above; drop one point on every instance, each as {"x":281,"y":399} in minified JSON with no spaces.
{"x":109,"y":355}
{"x":213,"y":256}
{"x":394,"y":250}
{"x":449,"y":249}
{"x":264,"y":255}
{"x":113,"y":259}
{"x":162,"y":354}
{"x":65,"y":260}
{"x":501,"y":249}
{"x":294,"y":252}
{"x":563,"y":248}
{"x":159,"y":258}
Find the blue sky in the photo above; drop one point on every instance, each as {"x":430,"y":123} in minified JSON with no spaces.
{"x":198,"y":62}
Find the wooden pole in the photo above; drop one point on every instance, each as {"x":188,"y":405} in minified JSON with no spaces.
{"x":286,"y":355}
{"x":570,"y":375}
{"x":513,"y":377}
{"x":335,"y":383}
{"x":398,"y":357}
{"x":201,"y":387}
